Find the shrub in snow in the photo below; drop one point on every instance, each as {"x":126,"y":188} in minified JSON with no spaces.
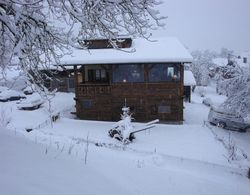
{"x":201,"y":91}
{"x":207,"y":102}
{"x":237,"y":88}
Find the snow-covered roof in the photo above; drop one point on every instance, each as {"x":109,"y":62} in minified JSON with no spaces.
{"x":220,"y":61}
{"x":245,"y":54}
{"x":167,"y":49}
{"x":189,"y":78}
{"x":240,"y":61}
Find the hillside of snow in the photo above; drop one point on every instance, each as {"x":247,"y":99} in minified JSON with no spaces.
{"x":77,"y":157}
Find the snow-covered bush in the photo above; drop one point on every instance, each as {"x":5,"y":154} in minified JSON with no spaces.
{"x":202,"y":91}
{"x":237,"y":88}
{"x":226,"y":76}
{"x":200,"y":66}
{"x":207,"y":102}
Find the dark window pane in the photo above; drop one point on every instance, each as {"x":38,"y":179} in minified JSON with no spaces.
{"x":163,"y":72}
{"x":103,"y":74}
{"x":128,"y":73}
{"x":71,"y":83}
{"x":91,"y":75}
{"x":87,"y":103}
{"x":164,"y":110}
{"x":99,"y":75}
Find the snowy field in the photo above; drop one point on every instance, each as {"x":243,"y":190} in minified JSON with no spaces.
{"x":77,"y":157}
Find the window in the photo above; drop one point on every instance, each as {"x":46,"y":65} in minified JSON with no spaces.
{"x":97,"y":75}
{"x":71,"y":82}
{"x":164,"y":109}
{"x":87,"y":104}
{"x":128,"y":73}
{"x":163,"y":72}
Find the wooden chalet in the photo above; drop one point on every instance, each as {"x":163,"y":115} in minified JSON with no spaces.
{"x":148,"y":75}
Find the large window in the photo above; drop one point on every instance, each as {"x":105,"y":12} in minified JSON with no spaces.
{"x":128,"y":73}
{"x":163,"y":72}
{"x":97,"y":75}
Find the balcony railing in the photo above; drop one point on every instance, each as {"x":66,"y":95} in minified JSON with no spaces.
{"x":88,"y":89}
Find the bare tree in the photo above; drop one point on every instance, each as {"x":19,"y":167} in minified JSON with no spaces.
{"x":36,"y":33}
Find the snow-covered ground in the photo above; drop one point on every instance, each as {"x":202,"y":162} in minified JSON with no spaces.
{"x":77,"y":157}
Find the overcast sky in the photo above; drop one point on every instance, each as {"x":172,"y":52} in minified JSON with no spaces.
{"x":208,"y":24}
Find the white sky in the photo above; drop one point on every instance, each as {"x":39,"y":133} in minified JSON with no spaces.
{"x":208,"y":24}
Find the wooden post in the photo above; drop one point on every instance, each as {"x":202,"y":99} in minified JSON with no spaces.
{"x":76,"y":80}
{"x":146,"y":76}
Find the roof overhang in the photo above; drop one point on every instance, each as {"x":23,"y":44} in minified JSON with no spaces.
{"x":162,"y":50}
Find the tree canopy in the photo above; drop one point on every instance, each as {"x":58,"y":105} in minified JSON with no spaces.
{"x":36,"y":33}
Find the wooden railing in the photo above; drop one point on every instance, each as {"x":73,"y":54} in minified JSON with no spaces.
{"x":93,"y":89}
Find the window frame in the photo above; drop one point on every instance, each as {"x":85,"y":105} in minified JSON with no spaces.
{"x":140,"y":67}
{"x":97,"y":75}
{"x":164,"y":69}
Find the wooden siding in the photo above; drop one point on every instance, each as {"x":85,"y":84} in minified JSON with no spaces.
{"x":147,"y":101}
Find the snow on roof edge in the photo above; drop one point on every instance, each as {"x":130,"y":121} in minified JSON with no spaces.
{"x":167,"y":49}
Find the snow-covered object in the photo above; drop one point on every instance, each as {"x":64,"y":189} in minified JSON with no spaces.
{"x":15,"y":83}
{"x":237,"y":87}
{"x":124,"y":127}
{"x":220,"y":62}
{"x":200,"y":66}
{"x":228,"y":120}
{"x":10,"y":95}
{"x":167,"y":49}
{"x":247,"y":118}
{"x":28,"y":90}
{"x":32,"y":102}
{"x":2,"y":88}
{"x":189,"y":79}
{"x":124,"y":130}
{"x":242,"y":59}
{"x":202,"y":91}
{"x":207,"y":102}
{"x":167,"y":152}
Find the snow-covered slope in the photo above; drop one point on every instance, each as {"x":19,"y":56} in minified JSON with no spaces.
{"x":169,"y":159}
{"x":30,"y":168}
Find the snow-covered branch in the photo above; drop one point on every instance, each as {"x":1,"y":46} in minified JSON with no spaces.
{"x":36,"y":33}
